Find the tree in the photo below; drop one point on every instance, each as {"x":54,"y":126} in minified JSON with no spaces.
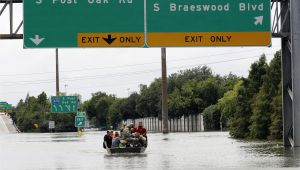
{"x":37,"y":111}
{"x":114,"y":112}
{"x":97,"y":108}
{"x":257,"y":71}
{"x":149,"y":100}
{"x":176,"y":104}
{"x":262,"y":105}
{"x":228,"y":82}
{"x":228,"y":103}
{"x":177,"y":80}
{"x":128,"y":107}
{"x":209,"y":91}
{"x":276,"y":116}
{"x":102,"y":107}
{"x":239,"y":122}
{"x":260,"y":119}
{"x":211,"y":116}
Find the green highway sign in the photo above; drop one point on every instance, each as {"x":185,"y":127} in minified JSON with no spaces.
{"x":83,"y":23}
{"x":5,"y":107}
{"x":81,"y":114}
{"x":146,"y":23}
{"x":80,"y":121}
{"x":208,"y":23}
{"x":64,"y":104}
{"x":3,"y":104}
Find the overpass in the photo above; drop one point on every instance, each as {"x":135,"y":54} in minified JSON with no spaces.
{"x":6,"y":124}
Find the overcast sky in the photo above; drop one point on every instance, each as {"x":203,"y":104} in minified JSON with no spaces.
{"x":116,"y":71}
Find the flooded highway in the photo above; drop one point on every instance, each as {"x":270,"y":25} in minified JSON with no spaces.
{"x":173,"y":151}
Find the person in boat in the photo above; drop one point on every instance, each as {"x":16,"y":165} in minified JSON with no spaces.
{"x":125,"y":131}
{"x":107,"y":140}
{"x":122,"y":128}
{"x":142,"y":134}
{"x":141,"y":130}
{"x":116,"y":141}
{"x":129,"y":137}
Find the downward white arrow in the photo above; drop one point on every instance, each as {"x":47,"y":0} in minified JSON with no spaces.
{"x":258,"y":20}
{"x":37,"y":40}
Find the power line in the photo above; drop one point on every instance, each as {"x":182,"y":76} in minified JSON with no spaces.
{"x":116,"y":74}
{"x":83,"y":87}
{"x":121,"y":66}
{"x":118,"y":85}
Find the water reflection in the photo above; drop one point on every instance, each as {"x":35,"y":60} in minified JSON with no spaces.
{"x":264,"y":148}
{"x":171,"y":151}
{"x":125,"y":155}
{"x":291,"y":157}
{"x":125,"y":161}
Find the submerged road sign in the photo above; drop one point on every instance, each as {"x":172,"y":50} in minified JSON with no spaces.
{"x":83,"y":23}
{"x":51,"y":124}
{"x":64,"y":104}
{"x":81,"y":114}
{"x":208,"y":23}
{"x":80,"y":121}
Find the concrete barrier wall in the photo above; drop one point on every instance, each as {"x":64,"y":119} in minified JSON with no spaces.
{"x":188,"y":123}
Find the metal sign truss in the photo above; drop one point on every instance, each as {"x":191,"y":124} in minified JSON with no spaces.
{"x":13,"y":34}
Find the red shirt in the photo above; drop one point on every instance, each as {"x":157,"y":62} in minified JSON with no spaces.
{"x":141,"y":131}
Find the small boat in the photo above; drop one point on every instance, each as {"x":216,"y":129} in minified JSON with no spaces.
{"x":126,"y":150}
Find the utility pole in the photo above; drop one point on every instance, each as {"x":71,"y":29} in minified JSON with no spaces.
{"x":165,"y":128}
{"x":66,"y":86}
{"x":57,"y":73}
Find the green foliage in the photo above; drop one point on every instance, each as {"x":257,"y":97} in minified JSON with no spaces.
{"x":256,"y":74}
{"x":37,"y":111}
{"x":276,"y":116}
{"x":190,"y":92}
{"x":176,"y":104}
{"x":260,"y":120}
{"x":197,"y":95}
{"x":237,"y":106}
{"x":253,"y":108}
{"x":247,"y":107}
{"x":114,"y":112}
{"x":128,"y":107}
{"x":228,"y":82}
{"x":228,"y":103}
{"x":149,"y":100}
{"x":262,"y":105}
{"x":239,"y":122}
{"x":177,"y":80}
{"x":97,"y":107}
{"x":211,"y":116}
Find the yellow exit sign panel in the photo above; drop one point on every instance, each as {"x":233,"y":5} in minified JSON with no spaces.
{"x":110,"y":39}
{"x":191,"y":39}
